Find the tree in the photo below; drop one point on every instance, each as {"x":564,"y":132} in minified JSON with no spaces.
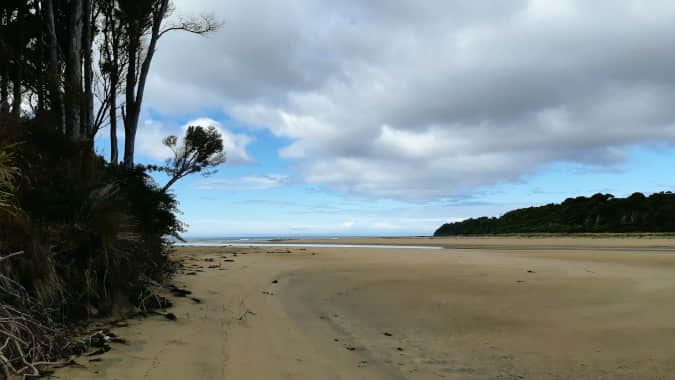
{"x":75,"y":230}
{"x":142,"y":24}
{"x":14,"y":19}
{"x":599,"y":213}
{"x":45,"y":54}
{"x":200,"y":152}
{"x":113,"y":63}
{"x":61,"y":59}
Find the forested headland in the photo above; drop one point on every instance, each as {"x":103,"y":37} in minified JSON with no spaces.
{"x":601,"y":213}
{"x":80,"y":234}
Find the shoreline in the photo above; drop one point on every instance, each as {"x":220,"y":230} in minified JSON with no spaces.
{"x":538,"y":242}
{"x":343,"y":313}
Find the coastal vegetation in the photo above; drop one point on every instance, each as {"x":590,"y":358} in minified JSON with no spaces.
{"x":600,"y":213}
{"x":81,"y":236}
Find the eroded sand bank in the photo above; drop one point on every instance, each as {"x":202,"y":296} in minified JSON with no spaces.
{"x":496,"y":309}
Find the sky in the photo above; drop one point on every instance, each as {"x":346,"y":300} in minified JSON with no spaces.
{"x":383,"y":118}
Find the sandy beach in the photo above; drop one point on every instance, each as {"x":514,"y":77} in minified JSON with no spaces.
{"x":483,"y":308}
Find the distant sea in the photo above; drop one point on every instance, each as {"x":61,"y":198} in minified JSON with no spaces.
{"x":281,"y":241}
{"x":264,"y":239}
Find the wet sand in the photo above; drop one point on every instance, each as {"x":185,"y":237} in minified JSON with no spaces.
{"x":494,"y":308}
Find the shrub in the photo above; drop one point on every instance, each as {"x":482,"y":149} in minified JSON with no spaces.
{"x":92,"y":235}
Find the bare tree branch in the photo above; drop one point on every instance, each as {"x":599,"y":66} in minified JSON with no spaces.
{"x":202,"y":25}
{"x":3,"y":258}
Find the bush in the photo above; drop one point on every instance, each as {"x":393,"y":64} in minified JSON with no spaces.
{"x":92,"y":235}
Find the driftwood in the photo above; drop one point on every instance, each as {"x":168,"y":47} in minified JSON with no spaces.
{"x":28,"y":338}
{"x":26,"y":343}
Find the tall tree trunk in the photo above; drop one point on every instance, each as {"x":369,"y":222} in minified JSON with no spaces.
{"x":130,"y":125}
{"x":4,"y":68}
{"x":114,"y":79}
{"x":58,"y":104}
{"x":114,"y":153}
{"x":18,"y":63}
{"x":16,"y":90}
{"x":129,"y":139}
{"x":41,"y":87}
{"x":158,"y":16}
{"x":74,"y":70}
{"x":135,"y":98}
{"x":4,"y":86}
{"x":112,"y":55}
{"x":87,"y":40}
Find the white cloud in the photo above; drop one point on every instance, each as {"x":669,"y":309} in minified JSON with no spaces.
{"x":220,"y":227}
{"x":422,"y":100}
{"x":150,"y":135}
{"x":149,"y":141}
{"x":251,"y":182}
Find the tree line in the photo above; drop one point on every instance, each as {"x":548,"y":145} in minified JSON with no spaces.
{"x":82,"y":235}
{"x":83,"y":64}
{"x":598,"y":213}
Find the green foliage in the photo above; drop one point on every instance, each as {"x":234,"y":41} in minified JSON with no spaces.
{"x":8,"y":176}
{"x":202,"y":148}
{"x":200,"y":152}
{"x":93,"y":233}
{"x":78,"y":235}
{"x":599,"y":213}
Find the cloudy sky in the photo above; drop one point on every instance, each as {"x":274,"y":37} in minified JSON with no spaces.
{"x":392,"y":117}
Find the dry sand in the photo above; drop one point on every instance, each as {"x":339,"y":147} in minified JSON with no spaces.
{"x":497,"y":308}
